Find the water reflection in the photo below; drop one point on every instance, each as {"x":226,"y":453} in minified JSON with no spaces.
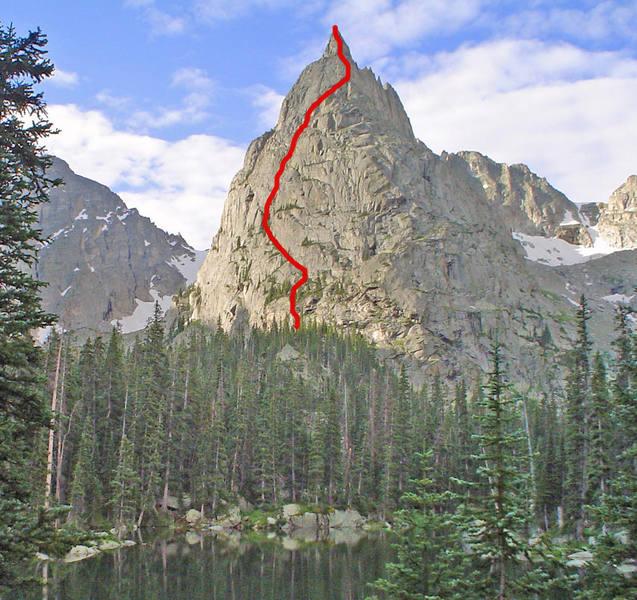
{"x":232,"y":568}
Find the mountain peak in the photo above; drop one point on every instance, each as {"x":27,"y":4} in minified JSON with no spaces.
{"x":105,"y":262}
{"x":363,"y":100}
{"x":412,"y":250}
{"x":332,"y":47}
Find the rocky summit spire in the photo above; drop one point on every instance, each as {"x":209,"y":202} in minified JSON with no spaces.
{"x":332,"y":48}
{"x":363,"y":99}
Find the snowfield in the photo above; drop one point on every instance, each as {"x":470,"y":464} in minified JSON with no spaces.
{"x":555,"y":252}
{"x":187,"y":266}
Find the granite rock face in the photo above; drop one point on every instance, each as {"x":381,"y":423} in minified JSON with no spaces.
{"x":412,"y":249}
{"x":590,"y":212}
{"x":105,"y":262}
{"x":618,"y":218}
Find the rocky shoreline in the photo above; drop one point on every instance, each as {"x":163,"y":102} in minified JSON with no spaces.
{"x":103,"y":542}
{"x":290,"y":524}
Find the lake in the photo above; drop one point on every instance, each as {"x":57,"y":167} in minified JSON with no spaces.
{"x":239,"y":568}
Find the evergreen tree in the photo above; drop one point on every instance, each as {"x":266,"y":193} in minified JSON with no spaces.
{"x":600,"y":431}
{"x":402,"y":443}
{"x":152,"y":405}
{"x":205,"y":468}
{"x":23,"y":186}
{"x":496,"y":521}
{"x":111,"y":407}
{"x":615,"y":545}
{"x":220,"y":425}
{"x":125,"y":496}
{"x":316,"y":470}
{"x":331,"y":438}
{"x":429,"y":556}
{"x":549,"y":477}
{"x":577,"y":425}
{"x":465,"y":467}
{"x":86,"y":496}
{"x":624,"y":386}
{"x":261,"y":436}
{"x":388,"y":463}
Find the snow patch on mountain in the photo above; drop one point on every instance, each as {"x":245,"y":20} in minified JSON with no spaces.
{"x":556,"y":252}
{"x":143,"y":312}
{"x":189,"y":265}
{"x":618,"y":298}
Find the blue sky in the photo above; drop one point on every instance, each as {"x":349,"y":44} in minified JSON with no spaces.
{"x":158,"y":99}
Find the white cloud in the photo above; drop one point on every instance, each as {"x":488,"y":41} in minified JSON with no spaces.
{"x":180,"y":185}
{"x":193,"y":109}
{"x":107,"y":99}
{"x":374,"y":27}
{"x":566,"y":112}
{"x":607,"y":20}
{"x":268,"y":104}
{"x":161,"y":22}
{"x":64,"y":78}
{"x":192,"y":78}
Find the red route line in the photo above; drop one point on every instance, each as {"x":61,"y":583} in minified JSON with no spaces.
{"x":277,"y":177}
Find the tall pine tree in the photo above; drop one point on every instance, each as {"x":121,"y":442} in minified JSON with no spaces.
{"x":496,"y":519}
{"x":23,"y":186}
{"x":430,"y":560}
{"x":577,"y":424}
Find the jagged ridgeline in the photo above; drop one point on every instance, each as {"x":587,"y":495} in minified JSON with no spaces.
{"x":420,"y":253}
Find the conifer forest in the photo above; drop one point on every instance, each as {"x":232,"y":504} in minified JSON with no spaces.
{"x":314,"y":417}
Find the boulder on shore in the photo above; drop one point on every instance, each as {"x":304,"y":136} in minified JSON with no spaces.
{"x":309,"y":520}
{"x":291,"y":510}
{"x":110,"y":545}
{"x":193,"y":516}
{"x":346,"y":519}
{"x":231,"y":519}
{"x":80,"y":553}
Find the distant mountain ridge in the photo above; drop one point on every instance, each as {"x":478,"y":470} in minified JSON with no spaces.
{"x":105,"y":262}
{"x":528,"y":204}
